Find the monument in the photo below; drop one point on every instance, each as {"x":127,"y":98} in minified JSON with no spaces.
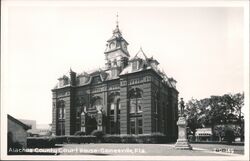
{"x":182,"y":142}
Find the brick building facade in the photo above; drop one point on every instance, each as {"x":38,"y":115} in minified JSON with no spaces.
{"x":127,"y":96}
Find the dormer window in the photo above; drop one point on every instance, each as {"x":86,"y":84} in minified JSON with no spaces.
{"x":60,"y":82}
{"x":82,"y":79}
{"x":114,"y":72}
{"x":96,"y":80}
{"x":63,"y":81}
{"x":135,"y":65}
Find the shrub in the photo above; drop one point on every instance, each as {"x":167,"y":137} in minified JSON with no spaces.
{"x":112,"y":139}
{"x":81,"y":139}
{"x":144,"y":138}
{"x":75,"y":139}
{"x":80,"y":133}
{"x":98,"y":134}
{"x":229,"y":136}
{"x":40,"y":142}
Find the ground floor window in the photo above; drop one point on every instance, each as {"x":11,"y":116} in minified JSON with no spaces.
{"x":132,"y":126}
{"x":112,"y":127}
{"x":140,"y":131}
{"x":155,"y":124}
{"x":61,"y":128}
{"x":136,"y":125}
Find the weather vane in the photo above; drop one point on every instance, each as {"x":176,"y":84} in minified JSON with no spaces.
{"x":117,"y":16}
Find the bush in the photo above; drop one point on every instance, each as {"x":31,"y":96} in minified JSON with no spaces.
{"x":145,"y":138}
{"x":229,"y":136}
{"x":40,"y":142}
{"x":98,"y":134}
{"x":80,"y":133}
{"x":75,"y":139}
{"x":81,"y":139}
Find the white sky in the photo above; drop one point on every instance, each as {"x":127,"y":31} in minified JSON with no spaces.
{"x":202,"y":48}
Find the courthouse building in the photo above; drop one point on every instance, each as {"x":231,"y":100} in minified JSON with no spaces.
{"x":129,"y":95}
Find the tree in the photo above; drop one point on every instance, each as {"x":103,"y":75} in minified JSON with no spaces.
{"x":238,"y":100}
{"x":216,"y":110}
{"x":193,"y":115}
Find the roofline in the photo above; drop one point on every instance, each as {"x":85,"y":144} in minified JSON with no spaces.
{"x":26,"y":127}
{"x":119,"y":48}
{"x":111,"y":39}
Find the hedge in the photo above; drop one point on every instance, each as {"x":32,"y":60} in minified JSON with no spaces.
{"x":43,"y":142}
{"x":150,"y":139}
{"x":75,"y":139}
{"x":51,"y":141}
{"x":40,"y":142}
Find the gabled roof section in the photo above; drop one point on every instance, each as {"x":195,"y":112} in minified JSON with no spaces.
{"x":140,"y":55}
{"x":26,"y":127}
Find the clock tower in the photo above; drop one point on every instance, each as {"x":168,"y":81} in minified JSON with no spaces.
{"x":116,"y":53}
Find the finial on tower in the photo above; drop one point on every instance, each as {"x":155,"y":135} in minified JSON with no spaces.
{"x":117,"y":22}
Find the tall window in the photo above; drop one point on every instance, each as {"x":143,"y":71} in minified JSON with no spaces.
{"x":156,"y":97}
{"x":135,"y":101}
{"x":118,"y":116}
{"x":114,"y":113}
{"x":61,"y":118}
{"x":132,"y":105}
{"x":118,"y":107}
{"x":112,"y":109}
{"x":135,"y":110}
{"x":112,"y":118}
{"x":136,"y":125}
{"x":139,"y":121}
{"x":61,"y":110}
{"x":155,"y":124}
{"x":132,"y":126}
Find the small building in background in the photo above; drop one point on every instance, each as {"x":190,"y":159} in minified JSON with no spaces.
{"x":31,"y":123}
{"x":17,"y":133}
{"x":41,"y":130}
{"x":203,"y":134}
{"x":37,"y":130}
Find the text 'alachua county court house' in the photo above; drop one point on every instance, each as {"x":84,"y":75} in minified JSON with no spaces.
{"x":127,"y":96}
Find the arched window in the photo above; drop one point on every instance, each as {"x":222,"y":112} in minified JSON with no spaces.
{"x":135,"y":101}
{"x":97,"y":103}
{"x":61,"y":109}
{"x":112,"y":108}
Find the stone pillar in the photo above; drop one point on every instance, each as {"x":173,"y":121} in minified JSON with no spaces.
{"x":83,"y":122}
{"x":100,"y":121}
{"x":182,"y":142}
